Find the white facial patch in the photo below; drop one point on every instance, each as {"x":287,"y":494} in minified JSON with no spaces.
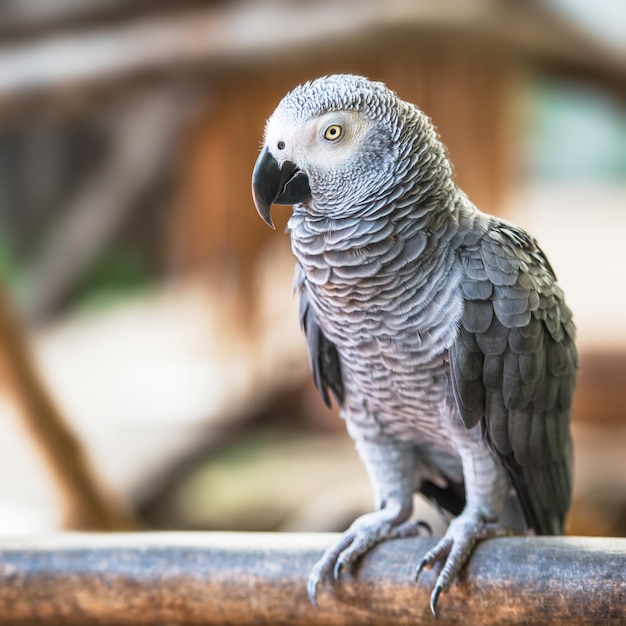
{"x":309,"y":144}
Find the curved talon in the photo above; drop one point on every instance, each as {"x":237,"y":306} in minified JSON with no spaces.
{"x":434,"y":597}
{"x":420,"y":567}
{"x":426,"y":526}
{"x":311,"y":589}
{"x":337,"y":569}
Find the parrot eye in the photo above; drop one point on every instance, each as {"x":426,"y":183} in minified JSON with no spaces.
{"x":333,"y":132}
{"x":281,"y":145}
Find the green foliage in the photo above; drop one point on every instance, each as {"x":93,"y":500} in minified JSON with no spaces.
{"x":9,"y":267}
{"x":118,"y":273}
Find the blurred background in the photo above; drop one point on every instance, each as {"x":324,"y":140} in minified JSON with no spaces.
{"x":152,"y":372}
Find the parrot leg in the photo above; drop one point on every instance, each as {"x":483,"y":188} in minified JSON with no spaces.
{"x":391,"y":468}
{"x":486,"y":488}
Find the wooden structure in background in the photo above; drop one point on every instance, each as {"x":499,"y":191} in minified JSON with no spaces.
{"x":466,"y":89}
{"x":457,"y":60}
{"x":86,"y":504}
{"x":221,"y":578}
{"x":464,"y":66}
{"x":600,"y":398}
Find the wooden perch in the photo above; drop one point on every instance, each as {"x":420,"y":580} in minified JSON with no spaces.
{"x":229,"y":578}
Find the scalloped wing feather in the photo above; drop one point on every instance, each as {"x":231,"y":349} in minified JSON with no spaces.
{"x":527,"y":361}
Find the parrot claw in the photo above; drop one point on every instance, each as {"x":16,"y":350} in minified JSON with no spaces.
{"x":311,"y":590}
{"x":454,"y":550}
{"x":421,"y":565}
{"x":337,"y":570}
{"x":364,"y":533}
{"x":433,"y":599}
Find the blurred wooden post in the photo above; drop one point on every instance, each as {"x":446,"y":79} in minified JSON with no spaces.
{"x":86,"y":505}
{"x":230,"y":578}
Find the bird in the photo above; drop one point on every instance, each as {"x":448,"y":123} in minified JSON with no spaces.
{"x":439,"y":330}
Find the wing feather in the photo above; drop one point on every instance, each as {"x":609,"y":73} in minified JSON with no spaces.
{"x":323,"y":355}
{"x":516,"y":317}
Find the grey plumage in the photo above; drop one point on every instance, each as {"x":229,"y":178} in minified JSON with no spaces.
{"x":440,"y":331}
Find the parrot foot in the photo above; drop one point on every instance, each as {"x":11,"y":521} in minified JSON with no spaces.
{"x":455,"y":548}
{"x":364,"y":533}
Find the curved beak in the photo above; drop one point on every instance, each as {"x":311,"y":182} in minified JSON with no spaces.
{"x":272,"y":184}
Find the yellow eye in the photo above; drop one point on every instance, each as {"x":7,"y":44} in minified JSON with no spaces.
{"x":333,"y":132}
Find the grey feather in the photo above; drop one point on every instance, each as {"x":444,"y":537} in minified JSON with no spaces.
{"x":493,"y":372}
{"x":494,"y":340}
{"x":323,"y":355}
{"x":478,"y":316}
{"x":477,"y":289}
{"x":527,"y":338}
{"x":535,"y":371}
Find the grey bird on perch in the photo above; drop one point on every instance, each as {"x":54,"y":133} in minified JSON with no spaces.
{"x":440,"y":330}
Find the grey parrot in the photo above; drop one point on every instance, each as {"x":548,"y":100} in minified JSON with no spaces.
{"x":440,"y":330}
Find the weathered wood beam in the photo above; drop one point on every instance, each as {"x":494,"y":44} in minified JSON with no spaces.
{"x":229,"y":578}
{"x":23,"y":18}
{"x":213,"y":36}
{"x":62,"y":65}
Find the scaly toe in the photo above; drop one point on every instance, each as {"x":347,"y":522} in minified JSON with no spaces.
{"x":410,"y":529}
{"x":434,"y":555}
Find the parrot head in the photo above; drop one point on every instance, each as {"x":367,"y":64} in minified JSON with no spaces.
{"x":330,"y":142}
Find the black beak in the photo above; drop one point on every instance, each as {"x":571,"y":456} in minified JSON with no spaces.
{"x":277,"y":185}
